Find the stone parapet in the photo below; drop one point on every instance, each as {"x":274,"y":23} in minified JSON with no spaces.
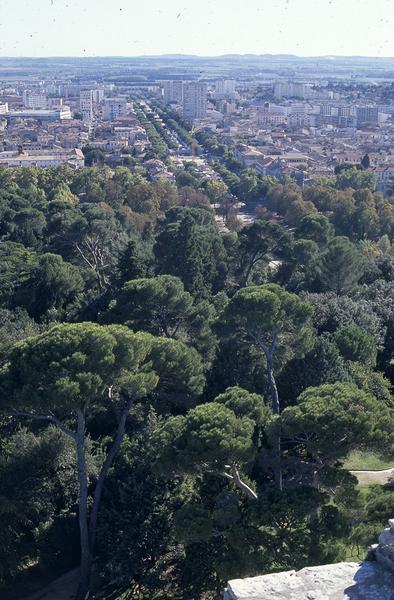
{"x":368,"y":580}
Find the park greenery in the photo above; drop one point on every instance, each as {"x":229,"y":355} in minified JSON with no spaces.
{"x":181,"y":405}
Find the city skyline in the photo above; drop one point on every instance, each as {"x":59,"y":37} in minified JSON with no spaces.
{"x":96,"y":28}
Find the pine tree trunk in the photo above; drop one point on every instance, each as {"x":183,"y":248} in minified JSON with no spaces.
{"x":273,"y":388}
{"x":85,"y":565}
{"x":103,"y":474}
{"x":276,"y":411}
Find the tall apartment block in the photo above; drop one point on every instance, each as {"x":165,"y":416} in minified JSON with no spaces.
{"x":367,"y":114}
{"x":291,"y":90}
{"x":225,"y":86}
{"x":34,"y":100}
{"x":86,"y":104}
{"x":114,"y":107}
{"x":98,"y":95}
{"x":173,"y":92}
{"x":195,"y":100}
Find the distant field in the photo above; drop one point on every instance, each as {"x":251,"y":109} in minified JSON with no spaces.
{"x":364,"y":460}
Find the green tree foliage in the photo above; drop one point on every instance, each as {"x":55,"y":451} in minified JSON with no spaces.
{"x":16,"y":325}
{"x":161,"y":306}
{"x":315,"y":227}
{"x":332,"y":312}
{"x":16,"y":264}
{"x":134,"y":261}
{"x":342,"y":266}
{"x":322,"y":364}
{"x":52,"y":284}
{"x":209,"y":439}
{"x":186,"y":484}
{"x":274,"y":321}
{"x":356,"y":345}
{"x":245,"y":404}
{"x":42,"y":466}
{"x":356,"y":179}
{"x":68,"y":372}
{"x":372,"y":382}
{"x":215,"y":190}
{"x":331,"y":420}
{"x":259,"y":243}
{"x":298,"y":210}
{"x":194,"y":253}
{"x":138,"y":551}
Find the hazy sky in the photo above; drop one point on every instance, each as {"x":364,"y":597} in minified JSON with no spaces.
{"x":207,"y":27}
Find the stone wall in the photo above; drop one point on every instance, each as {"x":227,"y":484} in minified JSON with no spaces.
{"x":370,"y":580}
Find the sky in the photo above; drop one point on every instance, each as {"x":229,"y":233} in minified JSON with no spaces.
{"x":203,"y":27}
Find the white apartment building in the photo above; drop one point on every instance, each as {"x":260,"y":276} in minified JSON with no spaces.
{"x":130,"y":134}
{"x":54,"y":102}
{"x":195,"y":99}
{"x":86,"y":104}
{"x":54,"y":114}
{"x":173,"y":92}
{"x":227,"y":107}
{"x":289,"y":109}
{"x":34,"y":100}
{"x":98,"y":95}
{"x":225,"y":86}
{"x":51,"y":158}
{"x":114,"y":107}
{"x":3,"y":108}
{"x":286,"y":89}
{"x":271,"y":118}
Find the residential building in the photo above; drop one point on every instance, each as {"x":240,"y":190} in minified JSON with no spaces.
{"x":98,"y":95}
{"x":131,"y":134}
{"x":195,"y":100}
{"x":225,"y":86}
{"x":384,"y":177}
{"x":173,"y":92}
{"x":271,"y":118}
{"x":51,"y":158}
{"x":114,"y":108}
{"x":86,"y":104}
{"x":34,"y":100}
{"x":227,"y":107}
{"x":286,"y":89}
{"x":367,"y":114}
{"x":53,"y":114}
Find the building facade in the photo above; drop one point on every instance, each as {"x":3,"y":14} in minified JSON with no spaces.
{"x":173,"y":92}
{"x":114,"y":108}
{"x":195,"y":100}
{"x":86,"y":104}
{"x":33,"y":100}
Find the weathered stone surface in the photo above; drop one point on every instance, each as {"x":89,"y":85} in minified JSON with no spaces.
{"x":342,"y":581}
{"x":384,"y":551}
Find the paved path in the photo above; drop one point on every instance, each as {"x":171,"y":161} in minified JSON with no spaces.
{"x":63,"y":588}
{"x":375,"y":477}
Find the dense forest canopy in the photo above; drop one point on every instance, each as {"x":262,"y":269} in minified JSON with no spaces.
{"x":179,"y":403}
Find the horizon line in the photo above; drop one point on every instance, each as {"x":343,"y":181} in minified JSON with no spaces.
{"x":191,"y":55}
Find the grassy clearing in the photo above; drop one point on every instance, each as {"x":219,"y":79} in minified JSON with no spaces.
{"x":363,"y":460}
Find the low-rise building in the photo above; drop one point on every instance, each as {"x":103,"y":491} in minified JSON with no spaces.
{"x":51,"y":158}
{"x":54,"y":114}
{"x":384,"y":177}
